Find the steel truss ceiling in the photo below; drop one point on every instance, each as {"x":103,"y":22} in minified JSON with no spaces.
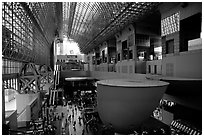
{"x":90,"y":23}
{"x":28,"y":30}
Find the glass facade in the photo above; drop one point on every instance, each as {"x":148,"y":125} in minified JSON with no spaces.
{"x":22,"y":38}
{"x":9,"y":66}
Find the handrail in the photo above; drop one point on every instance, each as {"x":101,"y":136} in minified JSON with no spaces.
{"x":53,"y":91}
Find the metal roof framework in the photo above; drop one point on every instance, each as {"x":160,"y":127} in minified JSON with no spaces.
{"x":28,"y":30}
{"x":91,"y":23}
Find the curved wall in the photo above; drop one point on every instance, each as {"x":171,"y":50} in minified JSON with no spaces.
{"x":125,"y":108}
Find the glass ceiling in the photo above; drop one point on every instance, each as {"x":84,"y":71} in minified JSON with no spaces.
{"x":90,"y":23}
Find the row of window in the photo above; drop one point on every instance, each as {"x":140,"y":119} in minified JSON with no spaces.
{"x":66,"y":60}
{"x":9,"y":67}
{"x":10,"y":84}
{"x":155,"y":69}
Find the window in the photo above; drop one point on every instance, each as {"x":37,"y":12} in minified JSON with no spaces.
{"x":170,"y":24}
{"x":97,"y":55}
{"x":141,"y":55}
{"x":155,"y":69}
{"x":103,"y":56}
{"x":130,"y":54}
{"x":142,"y":40}
{"x":170,"y":46}
{"x":118,"y":56}
{"x":112,"y":60}
{"x":124,"y":50}
{"x":93,"y":60}
{"x":190,"y":30}
{"x":97,"y":58}
{"x":149,"y":68}
{"x":98,"y":61}
{"x":130,"y":40}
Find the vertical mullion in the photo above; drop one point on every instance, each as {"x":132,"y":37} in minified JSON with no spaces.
{"x":12,"y":25}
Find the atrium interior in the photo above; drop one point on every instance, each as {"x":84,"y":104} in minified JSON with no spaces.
{"x":101,"y":68}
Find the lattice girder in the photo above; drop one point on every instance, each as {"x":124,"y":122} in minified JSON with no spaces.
{"x":29,"y":84}
{"x":47,"y":75}
{"x":29,"y":79}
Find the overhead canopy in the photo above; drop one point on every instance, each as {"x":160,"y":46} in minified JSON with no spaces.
{"x":90,"y":23}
